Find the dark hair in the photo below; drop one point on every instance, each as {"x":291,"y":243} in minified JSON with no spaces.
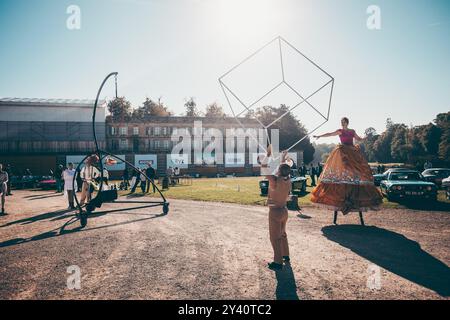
{"x":345,"y":119}
{"x":285,"y":170}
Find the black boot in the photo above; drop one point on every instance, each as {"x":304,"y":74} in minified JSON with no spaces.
{"x":274,"y":266}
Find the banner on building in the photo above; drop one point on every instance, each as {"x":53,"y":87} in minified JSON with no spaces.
{"x":143,"y":160}
{"x":177,"y":161}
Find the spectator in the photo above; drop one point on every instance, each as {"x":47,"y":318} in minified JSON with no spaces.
{"x":383,"y":168}
{"x":58,"y":178}
{"x":125,"y":179}
{"x":169,"y":174}
{"x":69,"y":186}
{"x":303,"y":170}
{"x":319,"y":169}
{"x":151,"y":174}
{"x":105,"y":185}
{"x":428,"y":165}
{"x":134,"y":181}
{"x":8,"y":170}
{"x":312,"y":174}
{"x":79,"y":180}
{"x":143,"y":181}
{"x":379,"y":169}
{"x":3,"y":186}
{"x":176,"y":174}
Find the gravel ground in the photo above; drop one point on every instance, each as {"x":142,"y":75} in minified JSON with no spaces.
{"x":208,"y":250}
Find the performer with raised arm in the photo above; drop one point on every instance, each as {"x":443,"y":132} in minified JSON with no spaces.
{"x":346,"y":183}
{"x":279,"y":190}
{"x":88,"y":174}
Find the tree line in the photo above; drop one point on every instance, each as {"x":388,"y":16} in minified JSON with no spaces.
{"x":121,"y":110}
{"x":413,"y":145}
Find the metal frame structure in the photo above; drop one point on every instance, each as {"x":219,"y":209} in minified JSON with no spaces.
{"x":101,"y":154}
{"x":279,"y":39}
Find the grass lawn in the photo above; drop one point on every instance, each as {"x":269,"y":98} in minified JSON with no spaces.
{"x":242,"y":191}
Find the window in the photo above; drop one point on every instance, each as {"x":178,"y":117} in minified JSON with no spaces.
{"x":123,"y":144}
{"x":149,"y":131}
{"x":166,"y":144}
{"x":123,"y":131}
{"x":136,"y":131}
{"x":157,"y":131}
{"x":164,"y":131}
{"x":157,"y":144}
{"x":113,"y":131}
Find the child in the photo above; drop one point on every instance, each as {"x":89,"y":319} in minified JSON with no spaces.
{"x":279,"y":190}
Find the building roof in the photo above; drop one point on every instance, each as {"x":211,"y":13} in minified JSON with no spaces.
{"x":49,"y":102}
{"x":184,"y":120}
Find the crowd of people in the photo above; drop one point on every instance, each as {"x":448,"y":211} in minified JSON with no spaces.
{"x":313,"y":171}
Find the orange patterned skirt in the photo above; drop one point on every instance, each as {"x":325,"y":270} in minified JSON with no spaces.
{"x":346,"y":183}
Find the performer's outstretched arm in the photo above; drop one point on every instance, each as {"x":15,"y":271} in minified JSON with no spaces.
{"x":330,"y":134}
{"x":357,"y":138}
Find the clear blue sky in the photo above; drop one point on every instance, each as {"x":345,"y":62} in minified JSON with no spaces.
{"x":175,"y":49}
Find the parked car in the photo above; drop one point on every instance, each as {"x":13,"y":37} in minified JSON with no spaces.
{"x":298,"y":184}
{"x":47,"y":183}
{"x":407,"y":185}
{"x":24,"y":182}
{"x":436,"y":175}
{"x":446,"y":186}
{"x":377,"y":178}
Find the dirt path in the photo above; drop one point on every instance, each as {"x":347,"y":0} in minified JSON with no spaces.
{"x":218,"y":251}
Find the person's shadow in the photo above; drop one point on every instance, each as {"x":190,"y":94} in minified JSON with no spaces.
{"x":395,"y":253}
{"x":286,"y":287}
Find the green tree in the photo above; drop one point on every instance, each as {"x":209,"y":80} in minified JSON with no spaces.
{"x":214,"y":110}
{"x":399,"y":147}
{"x":150,"y":109}
{"x":370,"y":137}
{"x":191,"y":108}
{"x":120,"y":109}
{"x":443,"y":122}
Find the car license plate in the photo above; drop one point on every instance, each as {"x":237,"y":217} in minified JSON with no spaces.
{"x":413,"y":193}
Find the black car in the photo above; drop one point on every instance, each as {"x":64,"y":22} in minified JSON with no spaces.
{"x":298,"y":184}
{"x":436,"y":175}
{"x":377,"y":178}
{"x":407,"y":185}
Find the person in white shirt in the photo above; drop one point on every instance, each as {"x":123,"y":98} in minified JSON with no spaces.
{"x":68,"y":175}
{"x":3,"y":187}
{"x":88,"y":175}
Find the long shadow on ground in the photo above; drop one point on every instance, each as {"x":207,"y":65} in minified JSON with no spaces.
{"x":60,"y":231}
{"x":286,"y":286}
{"x":395,"y":253}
